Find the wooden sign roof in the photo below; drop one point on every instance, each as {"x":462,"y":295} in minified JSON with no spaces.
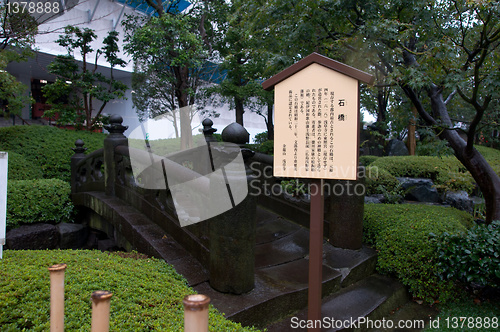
{"x":322,"y":60}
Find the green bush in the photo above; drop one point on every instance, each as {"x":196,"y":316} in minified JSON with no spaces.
{"x":367,"y":160}
{"x":47,"y":147}
{"x":260,"y":138}
{"x":472,"y":257}
{"x":42,"y":200}
{"x":267,"y":147}
{"x":22,"y":169}
{"x":147,"y":292}
{"x":402,"y":236}
{"x":378,"y":178}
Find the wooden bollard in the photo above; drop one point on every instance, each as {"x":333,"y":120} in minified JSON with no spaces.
{"x":57,"y":297}
{"x":196,"y":313}
{"x":101,"y":301}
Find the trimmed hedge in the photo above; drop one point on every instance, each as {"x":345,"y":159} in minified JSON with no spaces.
{"x":46,"y":147}
{"x":42,"y":200}
{"x":147,"y":292}
{"x":402,"y":236}
{"x":377,"y":178}
{"x":22,"y":169}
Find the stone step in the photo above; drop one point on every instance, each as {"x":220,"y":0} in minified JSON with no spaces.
{"x":281,"y":279}
{"x":370,"y":299}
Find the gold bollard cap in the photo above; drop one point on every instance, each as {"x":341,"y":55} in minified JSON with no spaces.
{"x":57,"y":267}
{"x":195,"y":302}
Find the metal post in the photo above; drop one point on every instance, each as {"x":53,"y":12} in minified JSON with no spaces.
{"x":315,"y":251}
{"x":196,"y":313}
{"x":101,"y":302}
{"x":57,"y":297}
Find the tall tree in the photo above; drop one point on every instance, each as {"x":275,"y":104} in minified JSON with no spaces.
{"x":168,"y":50}
{"x":433,"y":51}
{"x":17,"y":32}
{"x":76,"y":88}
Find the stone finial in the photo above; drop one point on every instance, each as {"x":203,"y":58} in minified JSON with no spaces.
{"x":79,"y":147}
{"x":208,"y":130}
{"x":235,"y":133}
{"x":115,"y":125}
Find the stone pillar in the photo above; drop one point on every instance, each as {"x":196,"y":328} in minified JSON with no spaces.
{"x":114,"y":139}
{"x":347,"y":201}
{"x":232,"y":234}
{"x":79,"y":155}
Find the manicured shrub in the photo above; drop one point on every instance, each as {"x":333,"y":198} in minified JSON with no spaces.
{"x":378,"y":178}
{"x":42,"y":200}
{"x":22,"y":169}
{"x":367,"y":160}
{"x":402,"y":236}
{"x":147,"y":292}
{"x":48,"y":147}
{"x":472,"y":257}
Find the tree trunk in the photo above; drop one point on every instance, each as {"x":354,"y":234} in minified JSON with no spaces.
{"x":181,"y":92}
{"x":485,"y":177}
{"x":269,"y":122}
{"x":238,"y":105}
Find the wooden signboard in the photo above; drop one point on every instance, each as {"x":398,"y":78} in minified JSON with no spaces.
{"x":316,"y":136}
{"x":317,"y":119}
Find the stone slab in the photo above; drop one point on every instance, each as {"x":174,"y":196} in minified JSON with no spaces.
{"x":288,"y":248}
{"x":33,"y":237}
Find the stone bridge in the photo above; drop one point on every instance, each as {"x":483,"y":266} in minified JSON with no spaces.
{"x":252,"y":259}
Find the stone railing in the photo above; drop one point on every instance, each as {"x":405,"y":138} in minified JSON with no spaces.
{"x":224,"y":244}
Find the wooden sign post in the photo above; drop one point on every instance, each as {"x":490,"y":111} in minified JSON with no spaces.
{"x":317,"y":137}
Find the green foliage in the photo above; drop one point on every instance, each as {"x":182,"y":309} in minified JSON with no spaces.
{"x":377,"y":178}
{"x":367,"y":160}
{"x":147,"y":292}
{"x":22,"y":169}
{"x":402,"y":236}
{"x":42,"y":200}
{"x":48,"y":148}
{"x":18,"y":31}
{"x":267,"y":147}
{"x":446,"y":172}
{"x":473,"y":257}
{"x":294,"y":187}
{"x":77,"y":87}
{"x":260,"y":138}
{"x":487,"y":313}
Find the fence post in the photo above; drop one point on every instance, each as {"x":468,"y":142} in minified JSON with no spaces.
{"x":79,"y":155}
{"x":101,"y":303}
{"x":196,"y":313}
{"x":57,"y":297}
{"x":232,"y":234}
{"x":114,"y":139}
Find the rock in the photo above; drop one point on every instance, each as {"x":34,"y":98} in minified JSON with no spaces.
{"x":459,"y":200}
{"x":72,"y":236}
{"x":374,"y":199}
{"x":396,"y":147}
{"x":420,"y":190}
{"x":34,"y":237}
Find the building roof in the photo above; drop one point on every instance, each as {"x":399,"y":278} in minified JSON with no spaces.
{"x":322,"y":60}
{"x":170,"y":6}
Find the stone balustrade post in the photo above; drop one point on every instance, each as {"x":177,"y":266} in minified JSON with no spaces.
{"x":114,"y":139}
{"x":347,"y":201}
{"x":79,"y":155}
{"x":232,"y":234}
